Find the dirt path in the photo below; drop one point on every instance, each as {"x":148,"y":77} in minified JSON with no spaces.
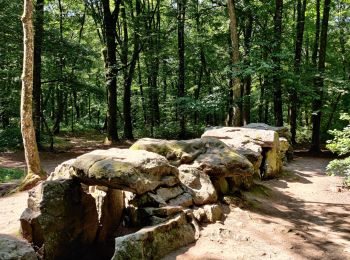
{"x":303,"y":215}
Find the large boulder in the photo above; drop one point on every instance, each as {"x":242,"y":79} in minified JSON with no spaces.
{"x":12,"y":248}
{"x":135,"y":171}
{"x":209,"y":155}
{"x":285,"y":136}
{"x":261,"y":147}
{"x":198,"y":184}
{"x":156,"y":241}
{"x":61,"y":219}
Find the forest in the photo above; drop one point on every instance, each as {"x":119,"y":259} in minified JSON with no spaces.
{"x":155,"y":68}
{"x":184,"y":129}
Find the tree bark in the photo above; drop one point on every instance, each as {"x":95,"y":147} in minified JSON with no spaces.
{"x":319,"y":81}
{"x":301,"y":7}
{"x":181,"y":12}
{"x":277,"y":82}
{"x":38,"y":40}
{"x":34,"y":170}
{"x":234,"y":115}
{"x":247,"y":81}
{"x":109,"y":22}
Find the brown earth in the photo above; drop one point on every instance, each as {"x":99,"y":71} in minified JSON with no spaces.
{"x":302,"y":215}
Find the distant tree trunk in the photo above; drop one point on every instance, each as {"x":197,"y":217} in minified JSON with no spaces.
{"x":247,"y":81}
{"x":38,"y":40}
{"x":317,"y":34}
{"x":181,"y":12}
{"x":128,"y":133}
{"x":319,"y":81}
{"x":234,"y":115}
{"x":297,"y":61}
{"x":34,"y":170}
{"x":277,"y":82}
{"x":109,"y":22}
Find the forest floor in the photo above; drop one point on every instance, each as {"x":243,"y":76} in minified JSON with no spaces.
{"x":304,"y":214}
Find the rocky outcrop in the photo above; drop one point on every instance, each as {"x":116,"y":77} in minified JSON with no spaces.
{"x":156,"y":241}
{"x":135,"y":171}
{"x":285,"y":136}
{"x":57,"y":206}
{"x":261,"y":147}
{"x":208,"y":155}
{"x":198,"y":184}
{"x":12,"y":248}
{"x":163,"y":187}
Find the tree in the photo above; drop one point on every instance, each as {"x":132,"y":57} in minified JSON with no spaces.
{"x":234,"y":116}
{"x":319,"y":81}
{"x":277,"y":82}
{"x":181,"y":13}
{"x":110,"y":22}
{"x":297,"y":63}
{"x":34,"y":170}
{"x":38,"y":40}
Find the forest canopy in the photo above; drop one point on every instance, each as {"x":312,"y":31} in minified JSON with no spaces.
{"x":171,"y":68}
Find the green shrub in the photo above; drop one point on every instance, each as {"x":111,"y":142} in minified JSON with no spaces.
{"x":8,"y":174}
{"x":341,"y":145}
{"x":10,"y":139}
{"x":340,"y":167}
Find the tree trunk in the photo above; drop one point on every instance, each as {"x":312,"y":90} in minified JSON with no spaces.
{"x":247,"y":81}
{"x":38,"y":40}
{"x":317,"y":34}
{"x":277,"y":83}
{"x":34,"y":170}
{"x":319,"y":81}
{"x":297,"y":61}
{"x":234,"y":115}
{"x":109,"y":22}
{"x":181,"y":12}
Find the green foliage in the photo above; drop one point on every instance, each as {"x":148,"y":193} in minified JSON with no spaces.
{"x":8,"y":174}
{"x":341,"y":145}
{"x":341,"y":141}
{"x":340,"y":167}
{"x":10,"y":139}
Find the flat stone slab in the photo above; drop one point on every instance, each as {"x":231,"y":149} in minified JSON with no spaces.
{"x":124,"y":169}
{"x":156,"y":241}
{"x":12,"y":248}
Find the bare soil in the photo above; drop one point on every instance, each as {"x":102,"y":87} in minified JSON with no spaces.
{"x":304,"y":214}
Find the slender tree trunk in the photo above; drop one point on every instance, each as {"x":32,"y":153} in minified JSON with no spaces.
{"x":38,"y":40}
{"x":34,"y":170}
{"x":277,"y":82}
{"x":319,"y":81}
{"x":247,"y":81}
{"x":128,"y":132}
{"x":109,"y":22}
{"x":301,"y":7}
{"x":234,"y":115}
{"x":181,"y":12}
{"x":317,"y":34}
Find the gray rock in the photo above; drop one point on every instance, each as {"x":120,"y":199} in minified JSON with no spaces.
{"x":198,"y":184}
{"x":183,"y":200}
{"x":169,"y":193}
{"x":135,"y":171}
{"x":208,"y":213}
{"x":12,"y":248}
{"x":156,"y":241}
{"x":261,"y":145}
{"x":110,"y":207}
{"x":57,"y":206}
{"x":209,"y":155}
